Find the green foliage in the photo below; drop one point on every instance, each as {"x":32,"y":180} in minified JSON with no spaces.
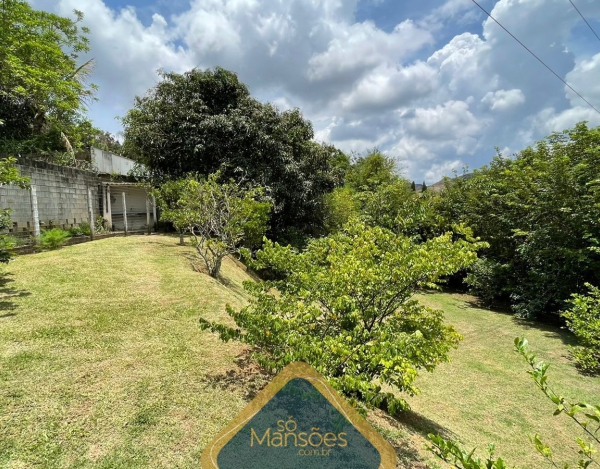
{"x":75,"y":231}
{"x":53,"y":239}
{"x":583,"y":319}
{"x":43,"y":89}
{"x":220,"y":217}
{"x":9,"y":174}
{"x":371,"y":171}
{"x":201,"y":122}
{"x":379,"y":197}
{"x":487,"y":280}
{"x":586,"y":416}
{"x":540,"y":213}
{"x":340,"y":206}
{"x":101,"y":225}
{"x":85,"y":228}
{"x":453,"y":453}
{"x":344,"y":305}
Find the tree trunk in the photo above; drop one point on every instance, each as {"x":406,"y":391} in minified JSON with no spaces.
{"x":181,"y":240}
{"x":215,"y":268}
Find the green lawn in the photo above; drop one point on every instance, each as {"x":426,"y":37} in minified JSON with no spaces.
{"x":102,"y":365}
{"x":485,"y":394}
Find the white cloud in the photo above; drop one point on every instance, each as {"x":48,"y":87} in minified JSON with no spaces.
{"x":423,"y":91}
{"x":389,"y":87}
{"x":503,"y":100}
{"x":451,"y":120}
{"x":438,"y":170}
{"x":363,"y":46}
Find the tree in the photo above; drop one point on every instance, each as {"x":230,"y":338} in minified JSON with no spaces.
{"x":540,"y":213}
{"x":206,"y":121}
{"x":42,"y":87}
{"x":345,"y":306}
{"x":584,"y":415}
{"x":371,"y":171}
{"x":220,"y":217}
{"x":423,"y":187}
{"x":413,"y":186}
{"x":170,"y":197}
{"x":9,"y":174}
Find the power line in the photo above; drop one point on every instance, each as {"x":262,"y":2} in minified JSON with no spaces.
{"x":586,"y":21}
{"x":539,"y":60}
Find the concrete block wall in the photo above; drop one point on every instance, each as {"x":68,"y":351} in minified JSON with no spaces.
{"x":62,"y":196}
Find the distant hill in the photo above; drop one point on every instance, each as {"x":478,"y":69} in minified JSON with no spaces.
{"x":438,"y":186}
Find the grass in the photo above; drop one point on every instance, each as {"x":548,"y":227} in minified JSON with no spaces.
{"x":102,"y":365}
{"x":485,"y":395}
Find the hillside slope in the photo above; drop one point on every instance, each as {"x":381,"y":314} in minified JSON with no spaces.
{"x":103,"y":365}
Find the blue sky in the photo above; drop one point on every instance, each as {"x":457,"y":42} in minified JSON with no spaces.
{"x":434,"y":84}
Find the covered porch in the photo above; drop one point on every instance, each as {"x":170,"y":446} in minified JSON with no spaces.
{"x":128,"y":207}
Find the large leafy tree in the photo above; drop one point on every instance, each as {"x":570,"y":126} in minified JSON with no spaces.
{"x":206,"y":121}
{"x":345,"y":305}
{"x":540,"y":213}
{"x":43,"y":84}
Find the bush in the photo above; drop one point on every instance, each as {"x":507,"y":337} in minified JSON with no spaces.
{"x":583,"y":319}
{"x":101,"y":225}
{"x":53,"y":239}
{"x":344,"y":305}
{"x":75,"y":231}
{"x":485,"y":279}
{"x":84,"y":226}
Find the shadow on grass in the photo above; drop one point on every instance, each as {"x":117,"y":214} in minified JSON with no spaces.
{"x":551,"y":329}
{"x":7,"y":294}
{"x":422,"y":425}
{"x":401,"y":436}
{"x":247,"y":378}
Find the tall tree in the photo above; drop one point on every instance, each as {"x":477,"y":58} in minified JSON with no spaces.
{"x":540,"y":213}
{"x":43,"y":84}
{"x":206,"y":121}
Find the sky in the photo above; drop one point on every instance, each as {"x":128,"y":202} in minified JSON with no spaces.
{"x":434,"y":84}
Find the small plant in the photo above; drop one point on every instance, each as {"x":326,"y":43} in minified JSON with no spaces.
{"x":583,"y":319}
{"x":53,"y":239}
{"x":101,"y":225}
{"x":85,"y":228}
{"x":75,"y":231}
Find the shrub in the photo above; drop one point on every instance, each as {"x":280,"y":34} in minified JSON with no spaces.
{"x":344,"y":305}
{"x":101,"y":225}
{"x":485,"y":279}
{"x":583,"y":319}
{"x":586,"y":416}
{"x":85,"y":229}
{"x":53,"y":239}
{"x":75,"y":231}
{"x":221,"y":218}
